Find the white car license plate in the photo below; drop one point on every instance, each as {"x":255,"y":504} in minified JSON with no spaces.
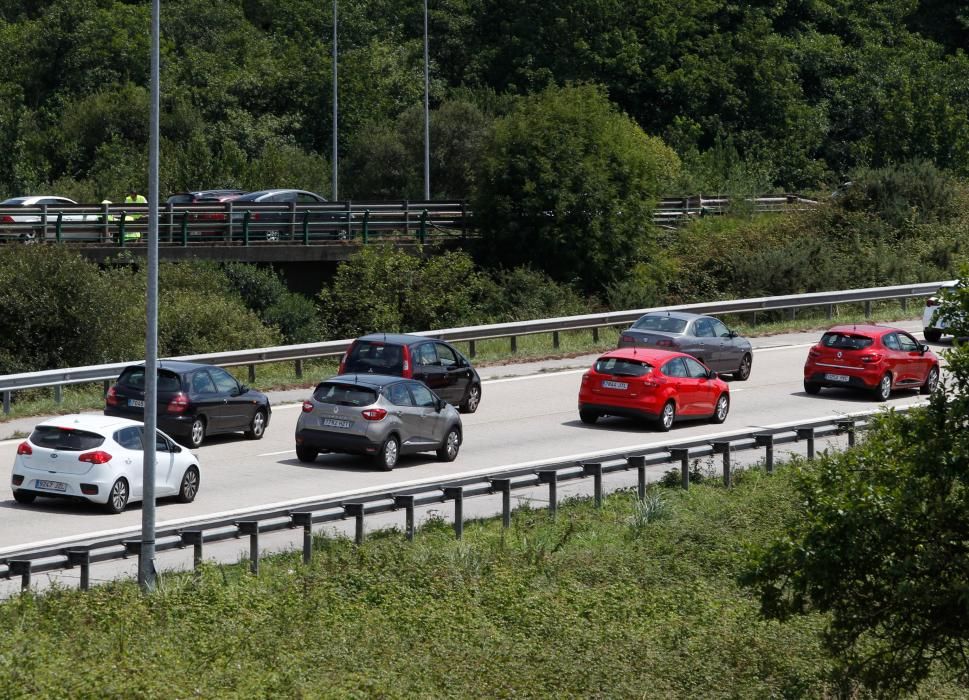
{"x":51,"y":485}
{"x":837,"y":377}
{"x":136,"y":403}
{"x":334,"y":423}
{"x":608,"y":384}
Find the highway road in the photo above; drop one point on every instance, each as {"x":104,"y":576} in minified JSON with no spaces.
{"x":528,"y":413}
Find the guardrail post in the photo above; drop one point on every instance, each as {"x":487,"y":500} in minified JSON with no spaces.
{"x":355,"y":511}
{"x":422,"y":231}
{"x":194,"y":538}
{"x":349,"y":207}
{"x":21,"y":568}
{"x":407,"y":503}
{"x":504,"y":485}
{"x":132,"y":547}
{"x":456,"y":493}
{"x":595,"y":334}
{"x":638,"y":462}
{"x":252,"y":373}
{"x":105,"y":387}
{"x":594,"y":469}
{"x":682,"y":455}
{"x":550,"y":477}
{"x":304,"y":519}
{"x":81,"y":558}
{"x":121,"y":235}
{"x":58,"y":394}
{"x":868,"y":309}
{"x":514,"y":343}
{"x":245,"y":227}
{"x":251,"y":528}
{"x":43,"y":223}
{"x":848,"y":426}
{"x":807,"y":434}
{"x":185,"y":229}
{"x":6,"y":403}
{"x":464,"y":219}
{"x":766,"y":440}
{"x":299,"y":369}
{"x":904,"y":304}
{"x":829,"y":311}
{"x":722,"y":447}
{"x":471,"y":349}
{"x":366,"y":226}
{"x":306,"y":227}
{"x":58,"y":226}
{"x":792,"y":313}
{"x":406,"y":206}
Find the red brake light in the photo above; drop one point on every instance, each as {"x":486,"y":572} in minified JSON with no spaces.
{"x":814,"y":352}
{"x":178,"y":404}
{"x":8,"y":219}
{"x":307,"y":407}
{"x":406,"y":365}
{"x":374,"y":414}
{"x":343,"y":361}
{"x":96,"y":457}
{"x":627,"y":339}
{"x":871,"y":357}
{"x":664,"y":343}
{"x":932,"y":301}
{"x":112,"y":397}
{"x":24,"y":448}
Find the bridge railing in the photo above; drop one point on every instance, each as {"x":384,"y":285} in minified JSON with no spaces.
{"x":58,"y":378}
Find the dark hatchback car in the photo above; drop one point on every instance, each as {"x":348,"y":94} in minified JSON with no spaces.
{"x":273,"y":215}
{"x":439,"y":365}
{"x":193,"y":401}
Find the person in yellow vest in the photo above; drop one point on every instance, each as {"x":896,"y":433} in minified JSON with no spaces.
{"x":137,"y":199}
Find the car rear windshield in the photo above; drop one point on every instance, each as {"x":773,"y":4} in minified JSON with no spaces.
{"x":66,"y":439}
{"x":375,"y":356}
{"x":622,"y":367}
{"x":846,"y":341}
{"x":345,"y":394}
{"x":134,"y":378}
{"x":664,"y":324}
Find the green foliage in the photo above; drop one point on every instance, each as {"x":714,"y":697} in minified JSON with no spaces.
{"x":265,"y":293}
{"x":524,"y":293}
{"x":908,"y":194}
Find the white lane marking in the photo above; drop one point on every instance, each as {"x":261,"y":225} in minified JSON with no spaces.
{"x":534,"y":376}
{"x":273,"y":454}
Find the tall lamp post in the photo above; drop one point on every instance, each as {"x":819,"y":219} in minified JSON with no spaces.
{"x":335,"y":110}
{"x":427,"y":116}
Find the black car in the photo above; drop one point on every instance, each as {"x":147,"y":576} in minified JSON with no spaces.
{"x":273,"y":215}
{"x":193,"y":401}
{"x":439,"y":365}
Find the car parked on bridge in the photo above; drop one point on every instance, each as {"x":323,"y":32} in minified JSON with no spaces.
{"x":275,"y":217}
{"x":657,"y":385}
{"x":29,"y":227}
{"x":86,"y":457}
{"x":704,"y":337}
{"x":438,"y":364}
{"x":870,"y":357}
{"x":380,"y":416}
{"x":194,"y":401}
{"x":206,"y":217}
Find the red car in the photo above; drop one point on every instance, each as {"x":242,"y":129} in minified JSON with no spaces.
{"x":657,"y":385}
{"x":872,"y":357}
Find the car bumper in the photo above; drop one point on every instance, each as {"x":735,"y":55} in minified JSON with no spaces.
{"x":88,"y":487}
{"x":337,"y":442}
{"x":624,"y":410}
{"x":853,"y":380}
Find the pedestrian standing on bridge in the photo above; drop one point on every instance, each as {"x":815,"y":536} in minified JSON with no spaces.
{"x":129,"y":219}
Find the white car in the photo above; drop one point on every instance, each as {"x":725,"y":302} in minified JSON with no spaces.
{"x":82,"y":224}
{"x":89,"y":457}
{"x":934,"y":327}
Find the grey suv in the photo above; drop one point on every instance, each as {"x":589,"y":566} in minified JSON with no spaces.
{"x":376,"y":415}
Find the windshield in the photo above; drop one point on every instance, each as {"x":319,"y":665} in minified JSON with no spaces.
{"x":846,"y":341}
{"x":375,"y":357}
{"x":622,"y":367}
{"x":345,"y":394}
{"x":665,"y":324}
{"x":65,"y":439}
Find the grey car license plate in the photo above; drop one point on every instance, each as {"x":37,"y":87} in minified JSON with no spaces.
{"x":51,"y":485}
{"x":136,"y":403}
{"x":837,"y":377}
{"x":334,"y":423}
{"x":607,"y":384}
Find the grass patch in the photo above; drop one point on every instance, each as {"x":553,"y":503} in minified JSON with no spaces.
{"x":609,"y":603}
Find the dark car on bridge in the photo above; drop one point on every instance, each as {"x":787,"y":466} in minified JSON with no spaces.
{"x":274,"y":216}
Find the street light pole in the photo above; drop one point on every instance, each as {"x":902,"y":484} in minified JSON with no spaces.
{"x":427,"y":116}
{"x":335,"y":109}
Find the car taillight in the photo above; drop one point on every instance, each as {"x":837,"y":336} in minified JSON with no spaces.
{"x":307,"y":407}
{"x":24,"y":448}
{"x":178,"y":404}
{"x":627,"y":339}
{"x":8,"y":220}
{"x":664,"y":343}
{"x":871,"y":357}
{"x":343,"y":362}
{"x":932,"y":301}
{"x":406,"y":370}
{"x":112,"y":397}
{"x":374,"y":414}
{"x":814,"y":352}
{"x":96,"y":457}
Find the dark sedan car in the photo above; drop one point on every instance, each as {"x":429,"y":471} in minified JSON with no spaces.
{"x":193,"y":401}
{"x":704,"y":337}
{"x":273,"y":215}
{"x":439,"y":365}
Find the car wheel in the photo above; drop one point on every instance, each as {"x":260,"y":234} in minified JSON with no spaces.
{"x":197,"y":433}
{"x":258,"y":426}
{"x":389,"y":452}
{"x":933,"y":335}
{"x":190,"y":485}
{"x":29,"y":237}
{"x":448,"y":451}
{"x":666,"y":417}
{"x":272,"y":235}
{"x":743,"y":372}
{"x":811,"y":388}
{"x":721,"y":410}
{"x":471,"y":401}
{"x":306,"y":454}
{"x":884,"y":388}
{"x":931,"y":381}
{"x":117,"y":497}
{"x":588,"y":417}
{"x":24,"y":496}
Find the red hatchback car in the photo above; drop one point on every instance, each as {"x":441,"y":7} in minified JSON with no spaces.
{"x":657,"y":385}
{"x":872,"y":357}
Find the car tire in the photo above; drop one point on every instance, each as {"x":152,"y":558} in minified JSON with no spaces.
{"x":721,"y":409}
{"x":306,"y":454}
{"x":588,"y":417}
{"x":811,"y":388}
{"x":472,"y":400}
{"x":257,"y":428}
{"x":24,"y":497}
{"x":931,"y":381}
{"x":388,"y":455}
{"x":189,"y":487}
{"x":743,"y":372}
{"x":29,"y":237}
{"x":666,"y":417}
{"x":448,"y":451}
{"x":272,"y":235}
{"x":933,"y":335}
{"x":884,"y":388}
{"x":118,"y":497}
{"x":196,"y":434}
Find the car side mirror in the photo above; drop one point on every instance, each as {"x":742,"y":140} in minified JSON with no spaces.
{"x":923,"y":349}
{"x":733,"y":334}
{"x":441,"y":403}
{"x":712,"y":375}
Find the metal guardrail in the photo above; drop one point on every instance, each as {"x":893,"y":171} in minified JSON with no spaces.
{"x":58,"y":378}
{"x":673,"y":211}
{"x":83,"y":551}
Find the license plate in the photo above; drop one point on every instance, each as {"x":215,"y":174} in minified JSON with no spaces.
{"x":136,"y":403}
{"x":51,"y":485}
{"x":607,"y":384}
{"x":334,"y":423}
{"x":837,"y":377}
